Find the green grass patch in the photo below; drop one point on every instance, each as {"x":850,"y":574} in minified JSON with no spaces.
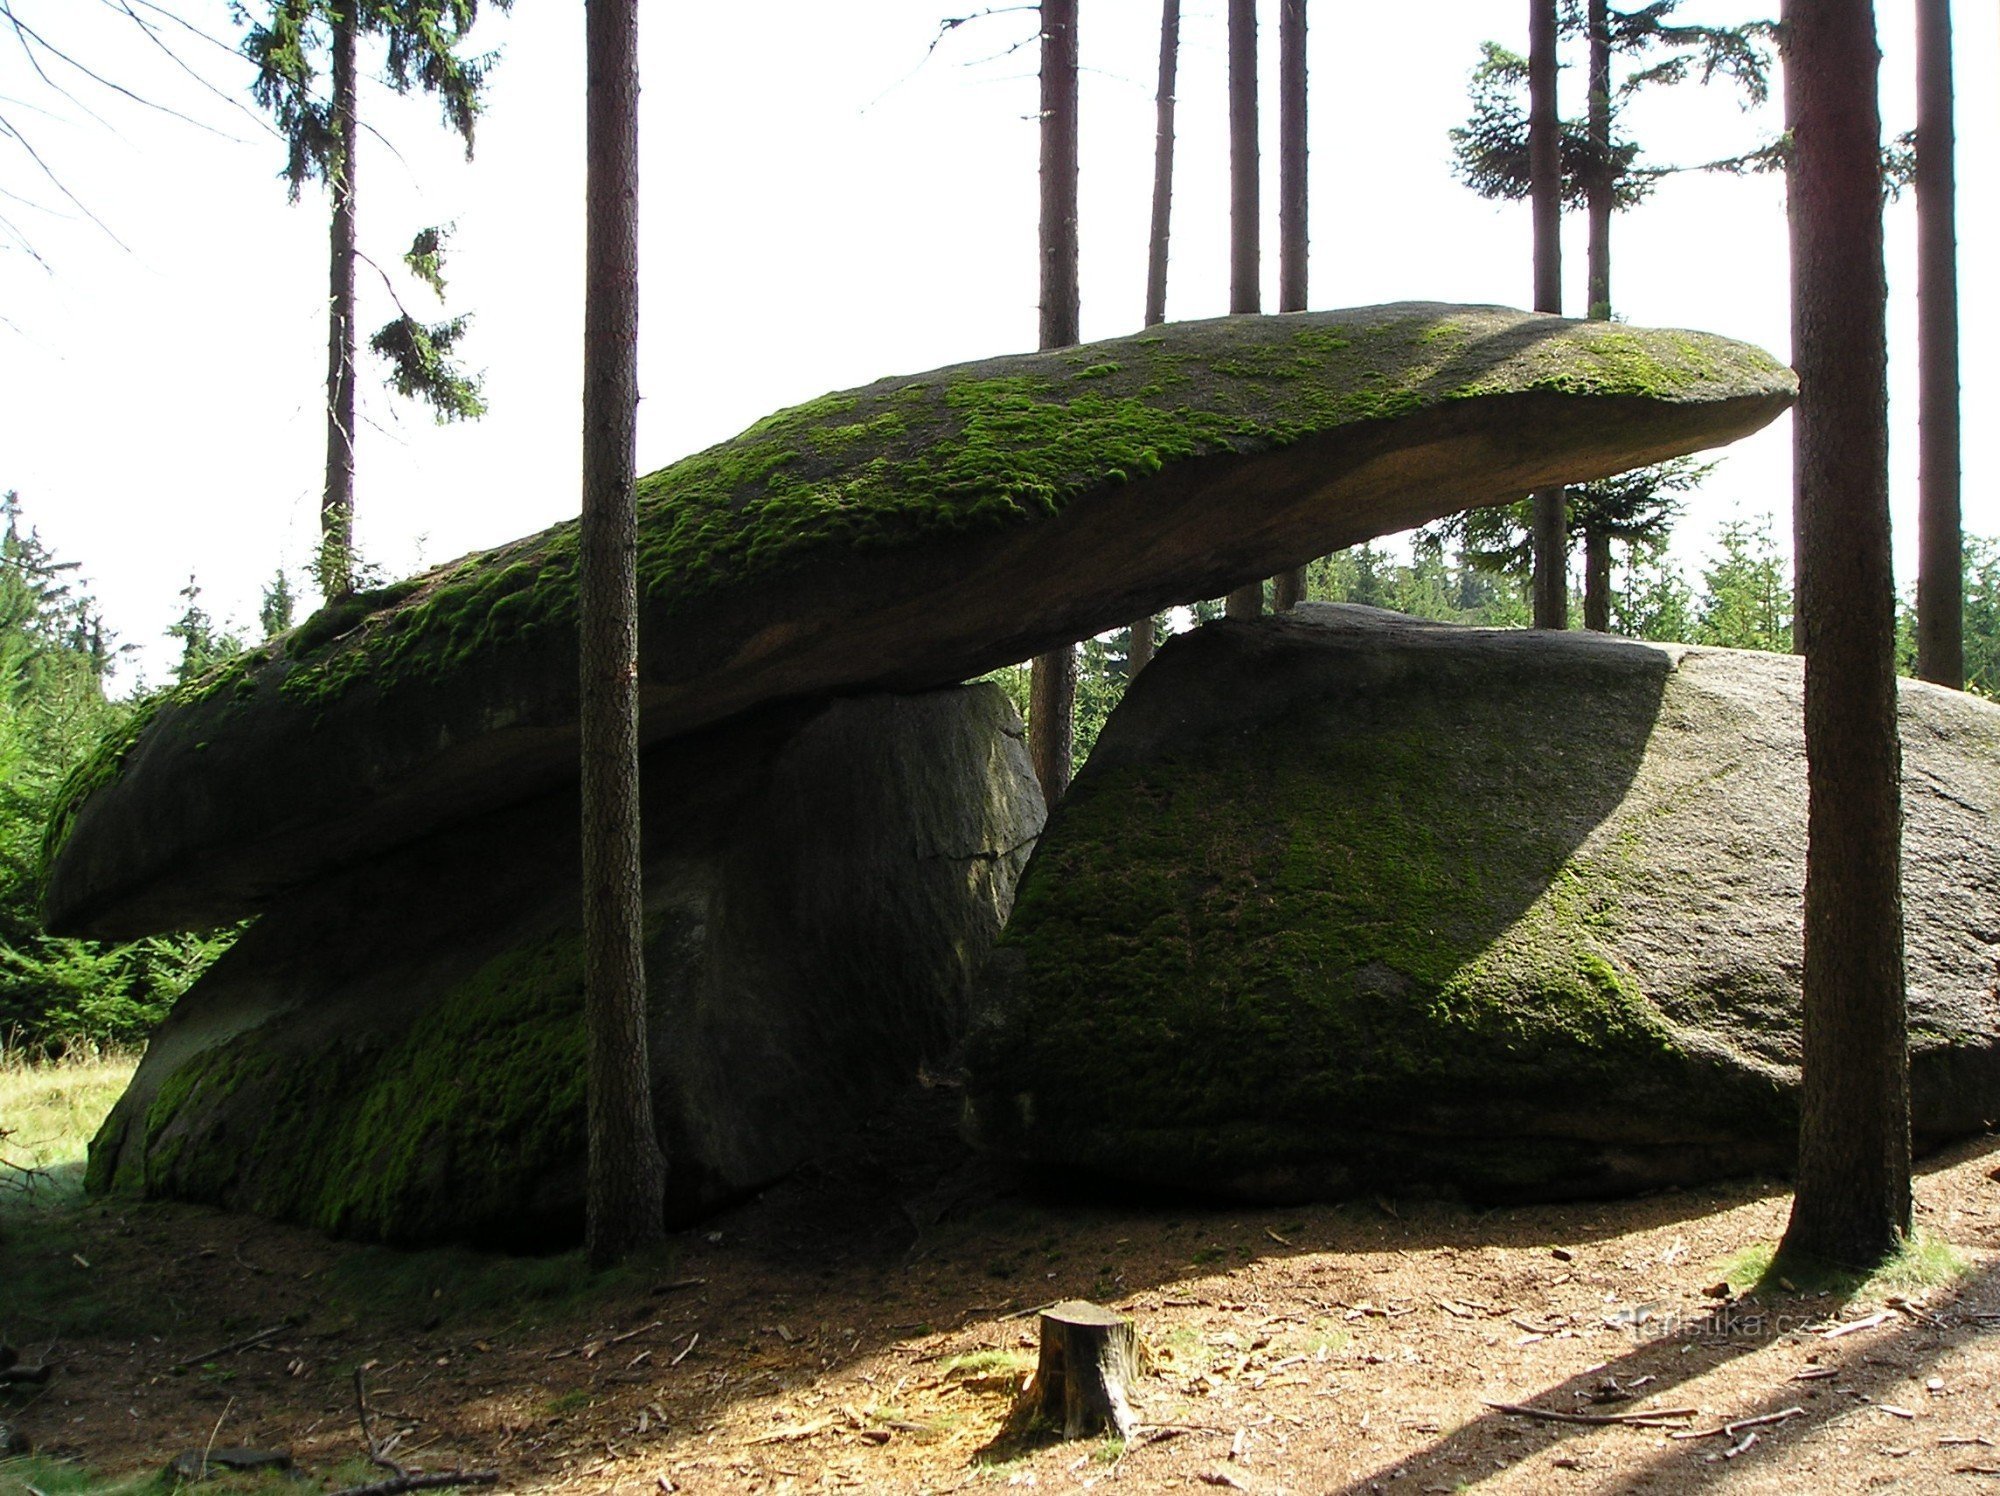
{"x":987,"y":1363}
{"x":49,"y":1111}
{"x":1924,"y":1262}
{"x":27,"y":1474}
{"x":460,"y":1286}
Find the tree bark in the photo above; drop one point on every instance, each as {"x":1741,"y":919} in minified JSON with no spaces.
{"x":1852,"y":1204}
{"x":1245,"y":245}
{"x":1288,"y":588}
{"x":1940,"y":574}
{"x":1089,"y":1358}
{"x":627,"y":1173}
{"x":1159,"y":237}
{"x":336,"y":504}
{"x":1163,"y":164}
{"x":1597,"y":581}
{"x":1139,"y":653}
{"x":1551,"y":539}
{"x":1052,"y":676}
{"x":1052,"y":720}
{"x":1602,"y":186}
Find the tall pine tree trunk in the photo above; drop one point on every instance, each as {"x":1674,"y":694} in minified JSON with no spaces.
{"x":1052,"y":676}
{"x":1597,"y":581}
{"x":1940,"y":575}
{"x":627,"y":1173}
{"x":1603,"y":185}
{"x":1163,"y":163}
{"x":1599,"y":195}
{"x":1140,"y":652}
{"x":1551,"y":538}
{"x":1288,"y":588}
{"x":336,"y":504}
{"x":1852,"y":1204}
{"x":1245,"y":249}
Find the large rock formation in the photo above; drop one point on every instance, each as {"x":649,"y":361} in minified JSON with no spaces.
{"x":1348,"y":901}
{"x":906,"y":535}
{"x":398,"y":1051}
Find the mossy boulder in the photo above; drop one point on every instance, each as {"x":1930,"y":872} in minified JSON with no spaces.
{"x":907,"y":535}
{"x":398,"y":1052}
{"x":1344,"y":901}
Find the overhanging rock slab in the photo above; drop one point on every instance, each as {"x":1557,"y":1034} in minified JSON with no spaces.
{"x":910,"y":534}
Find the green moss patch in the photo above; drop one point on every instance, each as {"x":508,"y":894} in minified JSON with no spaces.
{"x":475,"y":1115}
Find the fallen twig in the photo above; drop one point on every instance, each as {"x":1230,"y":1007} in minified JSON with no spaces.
{"x":1656,"y":1418}
{"x":437,"y":1482}
{"x":401,"y":1478}
{"x":693,"y":1340}
{"x":233,"y":1347}
{"x":1729,"y":1430}
{"x":1024,"y":1313}
{"x":1859,"y":1324}
{"x":634,"y":1334}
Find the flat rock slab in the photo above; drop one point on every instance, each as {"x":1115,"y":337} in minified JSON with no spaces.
{"x":1345,"y":901}
{"x":397,"y":1052}
{"x":907,"y":535}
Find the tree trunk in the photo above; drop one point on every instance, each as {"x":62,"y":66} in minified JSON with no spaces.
{"x":1602,"y":184}
{"x":1052,"y":676}
{"x":1244,"y":602}
{"x":627,"y":1173}
{"x":1597,"y":581}
{"x":1139,"y":653}
{"x":336,"y":504}
{"x":1288,"y":589}
{"x":1852,"y":1204}
{"x":1163,"y":164}
{"x":1551,"y":538}
{"x":1940,"y":575}
{"x":1157,"y":240}
{"x":1052,"y":720}
{"x":1089,"y":1357}
{"x":1245,"y":248}
{"x":1596,"y":544}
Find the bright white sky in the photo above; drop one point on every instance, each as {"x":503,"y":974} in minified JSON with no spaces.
{"x":822,"y":207}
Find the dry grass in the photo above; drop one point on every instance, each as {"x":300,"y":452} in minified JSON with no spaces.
{"x":50,"y":1109}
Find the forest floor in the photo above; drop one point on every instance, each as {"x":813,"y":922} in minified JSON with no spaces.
{"x":866,"y":1325}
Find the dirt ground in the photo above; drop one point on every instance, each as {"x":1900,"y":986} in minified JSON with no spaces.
{"x":866,"y":1326}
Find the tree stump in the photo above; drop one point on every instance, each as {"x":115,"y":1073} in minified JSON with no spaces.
{"x":1089,"y":1355}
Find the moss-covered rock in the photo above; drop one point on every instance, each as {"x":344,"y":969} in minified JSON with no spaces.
{"x":398,"y":1053}
{"x":1345,"y":901}
{"x":916,"y":532}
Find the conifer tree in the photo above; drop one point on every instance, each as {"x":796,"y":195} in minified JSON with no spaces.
{"x":626,"y":1186}
{"x":1245,"y":245}
{"x":1600,"y":171}
{"x":320,"y":120}
{"x":1140,"y":650}
{"x":1940,"y":591}
{"x":1551,"y":571}
{"x":1052,"y":676}
{"x":1289,"y":588}
{"x":1852,"y":1201}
